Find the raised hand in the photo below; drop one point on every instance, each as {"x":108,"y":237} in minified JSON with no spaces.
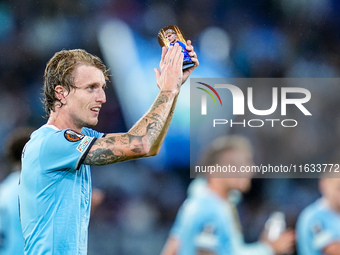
{"x":170,"y":76}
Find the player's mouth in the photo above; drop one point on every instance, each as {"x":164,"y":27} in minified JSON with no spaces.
{"x":95,"y":110}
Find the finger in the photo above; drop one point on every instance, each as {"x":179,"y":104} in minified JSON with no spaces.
{"x":192,"y":54}
{"x":178,"y":58}
{"x":191,"y":51}
{"x":172,"y":56}
{"x":195,"y":60}
{"x":158,"y":75}
{"x":164,"y":50}
{"x":169,"y":55}
{"x":190,"y":48}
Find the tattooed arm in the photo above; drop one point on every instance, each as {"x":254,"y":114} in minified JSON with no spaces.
{"x":186,"y":74}
{"x":141,"y":139}
{"x":146,"y":136}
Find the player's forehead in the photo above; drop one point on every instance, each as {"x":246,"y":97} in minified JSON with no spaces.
{"x":84,"y":74}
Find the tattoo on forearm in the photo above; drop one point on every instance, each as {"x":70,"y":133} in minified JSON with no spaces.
{"x":157,"y":117}
{"x":103,"y":153}
{"x":146,"y":132}
{"x":136,"y":142}
{"x":140,"y":129}
{"x":163,"y":98}
{"x":102,"y":156}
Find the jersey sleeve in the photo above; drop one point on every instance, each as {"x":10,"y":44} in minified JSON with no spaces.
{"x":323,"y":232}
{"x":316,"y":230}
{"x":200,"y":227}
{"x":66,"y":149}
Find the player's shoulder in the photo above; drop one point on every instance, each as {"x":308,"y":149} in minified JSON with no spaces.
{"x":39,"y":136}
{"x":203,"y":205}
{"x":91,"y":132}
{"x":314,"y":212}
{"x":44,"y":131}
{"x":311,"y":209}
{"x":49,"y":137}
{"x":50,"y":131}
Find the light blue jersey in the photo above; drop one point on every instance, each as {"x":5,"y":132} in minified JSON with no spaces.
{"x":201,"y":223}
{"x":318,"y":226}
{"x":206,"y":221}
{"x":55,"y":191}
{"x":11,"y":239}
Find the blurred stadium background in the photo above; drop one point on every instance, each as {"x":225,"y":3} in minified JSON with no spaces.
{"x":263,"y":38}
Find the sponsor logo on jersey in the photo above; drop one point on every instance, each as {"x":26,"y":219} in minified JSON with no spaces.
{"x":84,"y":143}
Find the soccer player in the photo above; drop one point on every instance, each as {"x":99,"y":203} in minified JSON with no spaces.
{"x":11,"y":239}
{"x":318,"y":225}
{"x":55,"y":182}
{"x":207,"y":222}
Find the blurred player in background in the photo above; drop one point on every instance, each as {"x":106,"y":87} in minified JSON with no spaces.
{"x":11,"y":239}
{"x":208,"y":222}
{"x":55,"y":182}
{"x":318,"y":225}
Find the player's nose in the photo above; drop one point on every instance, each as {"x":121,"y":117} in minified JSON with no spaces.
{"x":101,"y":97}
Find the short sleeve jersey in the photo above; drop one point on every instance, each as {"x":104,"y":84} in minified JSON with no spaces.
{"x":317,"y":226}
{"x":202,"y":223}
{"x":55,"y":191}
{"x":206,"y":221}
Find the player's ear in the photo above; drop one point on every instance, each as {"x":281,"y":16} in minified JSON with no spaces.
{"x":60,"y":94}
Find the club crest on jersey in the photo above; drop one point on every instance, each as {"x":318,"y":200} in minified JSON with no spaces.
{"x":73,"y":136}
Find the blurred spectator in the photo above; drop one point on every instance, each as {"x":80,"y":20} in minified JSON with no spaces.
{"x":11,"y":238}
